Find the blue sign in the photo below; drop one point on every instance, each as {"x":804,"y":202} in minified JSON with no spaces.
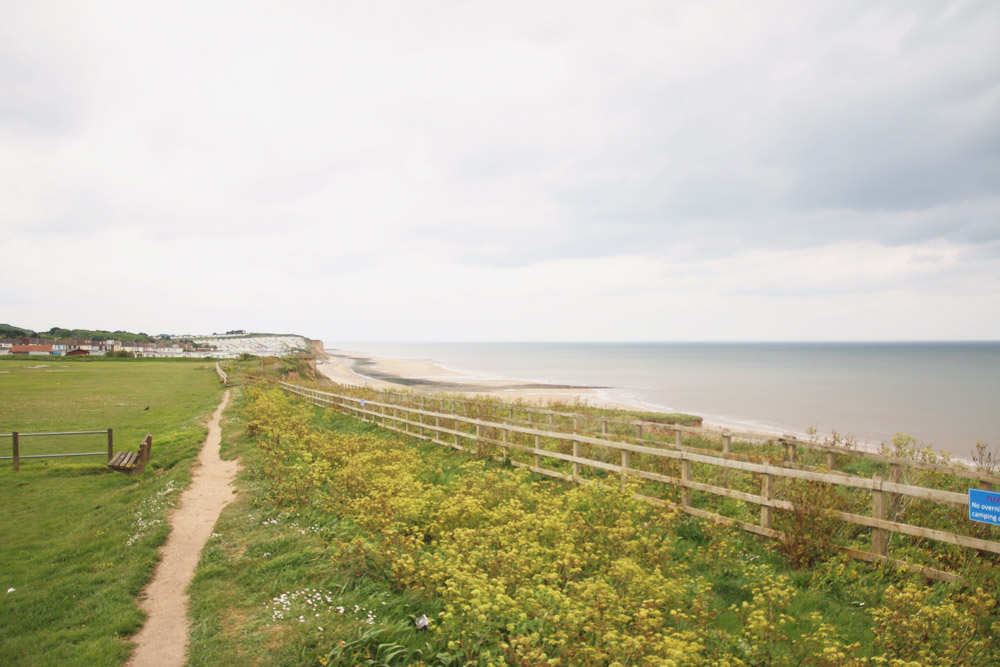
{"x":984,"y":506}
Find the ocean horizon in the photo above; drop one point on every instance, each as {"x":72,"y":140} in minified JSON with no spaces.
{"x":944,"y":394}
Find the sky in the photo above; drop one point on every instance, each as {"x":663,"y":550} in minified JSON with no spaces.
{"x":524,"y":171}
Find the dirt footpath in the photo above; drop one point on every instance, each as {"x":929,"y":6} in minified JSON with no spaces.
{"x":162,"y":642}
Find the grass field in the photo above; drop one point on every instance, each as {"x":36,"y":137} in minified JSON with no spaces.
{"x":78,"y":542}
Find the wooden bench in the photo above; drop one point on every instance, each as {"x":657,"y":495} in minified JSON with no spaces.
{"x":133,"y":463}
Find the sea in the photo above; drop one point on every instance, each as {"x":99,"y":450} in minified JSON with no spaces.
{"x":946,"y":395}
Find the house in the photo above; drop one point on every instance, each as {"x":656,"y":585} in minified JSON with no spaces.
{"x":139,"y":349}
{"x":78,"y":352}
{"x":167,"y":349}
{"x":95,"y":346}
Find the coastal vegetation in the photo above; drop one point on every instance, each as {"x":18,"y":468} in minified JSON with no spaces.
{"x":346,"y":535}
{"x":726,"y":471}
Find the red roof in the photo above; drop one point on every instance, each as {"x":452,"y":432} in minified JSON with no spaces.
{"x":24,"y":349}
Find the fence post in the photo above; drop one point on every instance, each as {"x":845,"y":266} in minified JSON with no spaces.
{"x":765,"y":493}
{"x":506,"y":450}
{"x":604,"y":427}
{"x":685,"y":476}
{"x":880,"y":546}
{"x":638,"y":430}
{"x":678,"y":438}
{"x":831,"y":460}
{"x":538,"y":446}
{"x":576,"y":465}
{"x":111,"y":444}
{"x":789,"y":450}
{"x":727,"y":442}
{"x":17,"y":452}
{"x":625,"y":465}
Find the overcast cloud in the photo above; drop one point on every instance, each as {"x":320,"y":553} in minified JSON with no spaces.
{"x":503,"y":170}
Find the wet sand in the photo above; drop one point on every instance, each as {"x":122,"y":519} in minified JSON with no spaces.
{"x":365,"y":370}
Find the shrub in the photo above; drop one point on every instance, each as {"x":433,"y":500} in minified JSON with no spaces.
{"x":924,"y":625}
{"x":811,"y":528}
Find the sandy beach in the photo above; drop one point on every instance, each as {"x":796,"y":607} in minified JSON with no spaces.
{"x":352,"y":368}
{"x":941,"y":394}
{"x":365,"y":370}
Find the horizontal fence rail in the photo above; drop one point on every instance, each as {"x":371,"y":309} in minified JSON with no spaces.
{"x":644,"y":426}
{"x":222,"y":374}
{"x":16,"y":455}
{"x":410,"y":420}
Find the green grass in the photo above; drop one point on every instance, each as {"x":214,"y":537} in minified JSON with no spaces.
{"x":264,"y":551}
{"x":60,"y":394}
{"x":77,"y":541}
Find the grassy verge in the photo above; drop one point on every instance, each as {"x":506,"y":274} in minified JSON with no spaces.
{"x":78,"y":542}
{"x":345,"y":534}
{"x":287,"y":584}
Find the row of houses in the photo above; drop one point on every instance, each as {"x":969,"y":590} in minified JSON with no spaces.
{"x":70,"y":348}
{"x":228,"y":346}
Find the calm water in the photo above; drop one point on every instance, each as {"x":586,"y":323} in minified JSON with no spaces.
{"x":944,"y":394}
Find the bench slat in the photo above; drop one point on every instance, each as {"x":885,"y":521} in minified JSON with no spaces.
{"x":132,"y":463}
{"x":123,"y":460}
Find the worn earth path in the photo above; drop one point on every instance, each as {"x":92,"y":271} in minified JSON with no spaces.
{"x":162,"y":642}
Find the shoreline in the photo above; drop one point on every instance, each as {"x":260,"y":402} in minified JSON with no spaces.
{"x":361,"y":369}
{"x":351,"y":367}
{"x":424,"y":375}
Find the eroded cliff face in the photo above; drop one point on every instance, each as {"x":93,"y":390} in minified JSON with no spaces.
{"x":302,"y":369}
{"x":318,"y":351}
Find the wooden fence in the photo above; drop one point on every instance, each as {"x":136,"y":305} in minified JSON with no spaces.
{"x":466,"y":432}
{"x":16,"y":446}
{"x":573,"y":422}
{"x":222,"y":374}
